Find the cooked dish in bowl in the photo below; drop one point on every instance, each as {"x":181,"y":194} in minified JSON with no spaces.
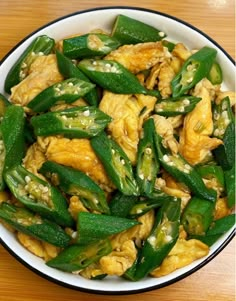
{"x":120,"y":159}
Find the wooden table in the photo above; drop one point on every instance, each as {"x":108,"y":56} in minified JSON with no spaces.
{"x":215,"y":281}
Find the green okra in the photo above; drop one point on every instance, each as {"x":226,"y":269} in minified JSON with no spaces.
{"x":38,"y":195}
{"x":77,"y":257}
{"x":116,"y":164}
{"x":147,"y":162}
{"x":161,"y":239}
{"x":67,"y":91}
{"x":215,"y":74}
{"x":25,"y":221}
{"x":180,"y":169}
{"x":69,"y":70}
{"x":113,"y":76}
{"x":194,"y":69}
{"x":4,"y":103}
{"x":197,"y":216}
{"x":216,"y":230}
{"x":143,"y":206}
{"x":128,"y":30}
{"x":224,"y":128}
{"x":168,"y":44}
{"x":210,"y":172}
{"x":120,"y":204}
{"x":41,"y":45}
{"x":13,"y":137}
{"x":229,"y":176}
{"x":2,"y":161}
{"x":92,"y":227}
{"x":89,"y":45}
{"x":77,"y":122}
{"x":75,"y":182}
{"x":176,"y":106}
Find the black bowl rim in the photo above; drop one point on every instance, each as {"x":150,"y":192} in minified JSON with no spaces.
{"x":153,"y":287}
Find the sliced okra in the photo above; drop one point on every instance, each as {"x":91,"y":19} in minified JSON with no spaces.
{"x":112,"y":76}
{"x":89,"y":45}
{"x":181,"y":170}
{"x":176,"y":106}
{"x":120,"y":204}
{"x":38,"y":195}
{"x":224,"y":128}
{"x":2,"y":161}
{"x":76,"y":257}
{"x":215,"y":75}
{"x":75,"y":182}
{"x":131,"y":31}
{"x":143,"y":206}
{"x":161,"y":240}
{"x":13,"y":137}
{"x":230,"y":184}
{"x":197,"y":216}
{"x":147,"y":162}
{"x":69,"y":70}
{"x":4,"y":103}
{"x":92,"y":227}
{"x":42,"y":45}
{"x":168,"y":44}
{"x":116,"y":164}
{"x":78,"y":122}
{"x":194,"y":69}
{"x":25,"y":221}
{"x":67,"y":91}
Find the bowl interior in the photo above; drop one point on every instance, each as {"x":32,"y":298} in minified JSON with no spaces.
{"x":83,"y":22}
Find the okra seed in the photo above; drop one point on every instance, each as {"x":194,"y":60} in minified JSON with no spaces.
{"x":24,"y":65}
{"x":86,"y":113}
{"x":138,"y":211}
{"x":224,"y":106}
{"x":94,"y":63}
{"x":189,"y":80}
{"x":185,"y":170}
{"x":216,"y":116}
{"x":27,"y":179}
{"x":40,"y":53}
{"x":216,"y":132}
{"x":166,"y":158}
{"x":148,"y":151}
{"x":187,"y":166}
{"x":161,"y":34}
{"x":112,"y":151}
{"x":70,"y":84}
{"x":74,"y":234}
{"x":168,"y":238}
{"x":141,"y":176}
{"x":181,"y":109}
{"x":186,"y":102}
{"x":122,"y":161}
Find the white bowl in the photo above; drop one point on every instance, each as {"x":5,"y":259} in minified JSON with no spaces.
{"x":84,"y":21}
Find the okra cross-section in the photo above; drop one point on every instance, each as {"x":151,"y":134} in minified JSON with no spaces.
{"x":116,"y":164}
{"x":75,"y":182}
{"x":112,"y":76}
{"x":176,"y":106}
{"x":42,"y":45}
{"x":24,"y":220}
{"x":194,"y":69}
{"x":78,"y":122}
{"x":181,"y":170}
{"x":76,"y":257}
{"x":89,"y":45}
{"x":161,"y":239}
{"x":67,"y":91}
{"x":38,"y":195}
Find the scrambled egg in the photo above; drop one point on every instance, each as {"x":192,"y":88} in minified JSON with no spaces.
{"x":126,"y":123}
{"x":195,"y":140}
{"x":42,"y":74}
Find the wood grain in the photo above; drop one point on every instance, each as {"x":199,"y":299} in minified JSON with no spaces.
{"x":216,"y":280}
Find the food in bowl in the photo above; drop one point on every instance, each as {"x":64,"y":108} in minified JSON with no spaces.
{"x":129,"y":155}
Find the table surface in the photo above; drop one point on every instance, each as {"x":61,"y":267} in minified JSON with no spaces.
{"x":216,"y":280}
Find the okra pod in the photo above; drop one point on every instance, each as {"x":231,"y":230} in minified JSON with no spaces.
{"x":25,"y":221}
{"x":143,"y":206}
{"x":194,"y":69}
{"x":12,"y":129}
{"x":78,"y":122}
{"x":147,"y":163}
{"x":197,"y":216}
{"x":112,"y":76}
{"x":75,"y":182}
{"x":161,"y":240}
{"x":224,"y":128}
{"x":180,"y":169}
{"x":212,"y":172}
{"x":92,"y":227}
{"x":120,"y":204}
{"x":4,"y":103}
{"x":2,"y":161}
{"x":69,"y":70}
{"x":42,"y":45}
{"x":116,"y":164}
{"x":229,"y":176}
{"x":38,"y":195}
{"x":68,"y":91}
{"x":76,"y":257}
{"x":216,"y":230}
{"x":131,"y":31}
{"x":176,"y":106}
{"x":89,"y":45}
